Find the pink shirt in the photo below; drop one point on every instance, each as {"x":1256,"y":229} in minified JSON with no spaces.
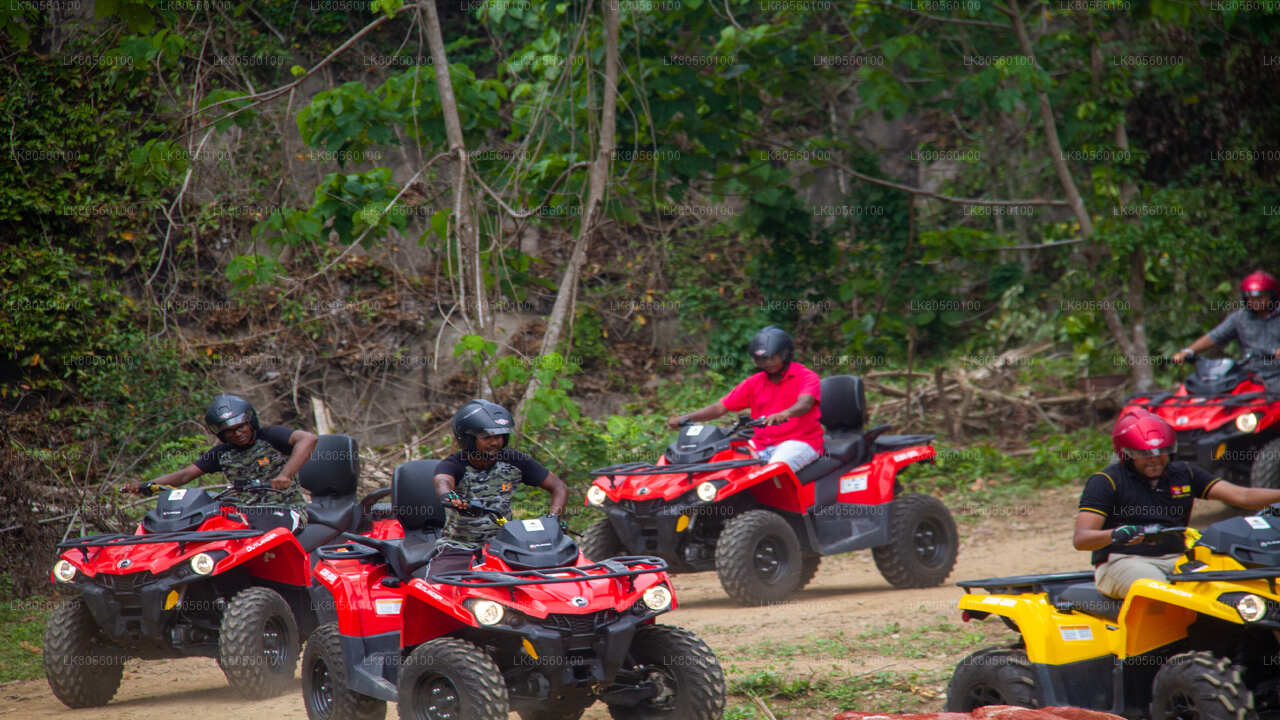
{"x":764,"y":398}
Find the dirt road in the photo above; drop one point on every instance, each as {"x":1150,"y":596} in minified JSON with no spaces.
{"x":848,"y":595}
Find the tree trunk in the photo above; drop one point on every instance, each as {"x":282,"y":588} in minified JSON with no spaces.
{"x":472,"y":302}
{"x":562,"y":311}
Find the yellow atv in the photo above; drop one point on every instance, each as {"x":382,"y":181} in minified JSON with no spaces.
{"x":1200,"y":646}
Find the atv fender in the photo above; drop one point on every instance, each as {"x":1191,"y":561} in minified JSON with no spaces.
{"x":1157,"y":613}
{"x":1051,"y":637}
{"x":427,"y":614}
{"x":886,"y":466}
{"x":276,"y":557}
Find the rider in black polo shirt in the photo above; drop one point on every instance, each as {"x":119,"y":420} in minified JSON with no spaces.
{"x":1129,"y":498}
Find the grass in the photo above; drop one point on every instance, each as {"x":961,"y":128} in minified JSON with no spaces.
{"x":938,"y":640}
{"x":788,"y":695}
{"x":21,"y":635}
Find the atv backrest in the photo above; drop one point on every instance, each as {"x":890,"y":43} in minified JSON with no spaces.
{"x":333,"y":468}
{"x":843,"y":402}
{"x":413,"y":496}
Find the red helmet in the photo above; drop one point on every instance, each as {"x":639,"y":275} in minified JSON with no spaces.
{"x":1258,"y":283}
{"x":1140,"y":433}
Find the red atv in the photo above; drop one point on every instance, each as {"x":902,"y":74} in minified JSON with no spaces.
{"x":203,"y":577}
{"x":708,"y":503}
{"x":533,"y":627}
{"x":1227,"y":422}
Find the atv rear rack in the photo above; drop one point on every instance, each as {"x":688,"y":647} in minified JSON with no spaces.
{"x":621,"y":567}
{"x":181,"y":537}
{"x":1036,"y":583}
{"x":1226,"y":575}
{"x":690,"y":469}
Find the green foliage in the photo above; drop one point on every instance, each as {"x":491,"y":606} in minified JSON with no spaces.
{"x":22,"y":624}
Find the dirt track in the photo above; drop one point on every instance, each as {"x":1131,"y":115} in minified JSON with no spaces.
{"x":847,"y":594}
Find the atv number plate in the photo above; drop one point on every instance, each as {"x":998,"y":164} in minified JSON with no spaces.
{"x":177,"y":494}
{"x":1076,"y":633}
{"x":1258,"y":523}
{"x":387,"y":607}
{"x":853,"y":484}
{"x":534,"y":525}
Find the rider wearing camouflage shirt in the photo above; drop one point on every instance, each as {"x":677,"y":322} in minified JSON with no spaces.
{"x":248,"y":456}
{"x":485,"y":472}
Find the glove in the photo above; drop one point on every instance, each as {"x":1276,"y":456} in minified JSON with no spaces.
{"x":452,"y":498}
{"x":564,"y":526}
{"x":1125,"y":534}
{"x":148,"y":488}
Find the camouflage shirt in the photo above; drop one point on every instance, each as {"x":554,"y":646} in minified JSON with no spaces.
{"x":493,"y":486}
{"x":255,"y":465}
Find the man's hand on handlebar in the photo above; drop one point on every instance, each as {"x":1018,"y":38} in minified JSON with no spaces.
{"x":776,"y":419}
{"x":143,"y":488}
{"x":455,"y":500}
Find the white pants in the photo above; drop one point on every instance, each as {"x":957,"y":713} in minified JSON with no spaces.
{"x":794,"y":453}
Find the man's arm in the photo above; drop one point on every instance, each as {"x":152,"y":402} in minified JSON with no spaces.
{"x":1202,"y":343}
{"x":1243,"y":497}
{"x":445,"y":484}
{"x":710,"y":412}
{"x":804,"y":404}
{"x":559,"y":493}
{"x":173,"y":479}
{"x":1089,"y":534}
{"x":303,"y":443}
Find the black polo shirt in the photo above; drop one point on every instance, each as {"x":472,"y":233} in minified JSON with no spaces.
{"x":1125,"y":497}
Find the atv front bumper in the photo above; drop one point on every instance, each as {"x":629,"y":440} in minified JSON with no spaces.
{"x":138,"y":608}
{"x":1225,"y":450}
{"x":652,"y":527}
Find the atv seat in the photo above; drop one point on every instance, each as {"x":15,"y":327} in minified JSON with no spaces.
{"x":844,"y":444}
{"x":330,"y":476}
{"x":421,"y":514}
{"x":886,"y":443}
{"x":1084,"y":597}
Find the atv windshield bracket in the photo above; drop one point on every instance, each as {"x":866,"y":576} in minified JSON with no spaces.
{"x":627,"y":566}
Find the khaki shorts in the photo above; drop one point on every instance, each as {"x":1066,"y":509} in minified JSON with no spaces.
{"x":1114,"y":576}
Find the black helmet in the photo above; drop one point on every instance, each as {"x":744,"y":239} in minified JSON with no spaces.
{"x":480,"y":416}
{"x":772,"y":341}
{"x":228,"y":411}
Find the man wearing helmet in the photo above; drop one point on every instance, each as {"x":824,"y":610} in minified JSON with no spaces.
{"x":484,"y":471}
{"x":1132,"y":498}
{"x":1256,"y":325}
{"x":249,"y":455}
{"x":785,"y":393}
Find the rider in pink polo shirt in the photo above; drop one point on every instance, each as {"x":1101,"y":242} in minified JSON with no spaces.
{"x":784,"y":393}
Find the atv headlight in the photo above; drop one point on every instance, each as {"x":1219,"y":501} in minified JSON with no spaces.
{"x":1247,"y":423}
{"x":64,"y":571}
{"x":596,"y":496}
{"x":1251,"y":608}
{"x":202,"y":564}
{"x":657,"y":598}
{"x":487,"y":612}
{"x":707,"y":491}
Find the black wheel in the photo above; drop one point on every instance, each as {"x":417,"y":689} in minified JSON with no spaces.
{"x":258,"y":643}
{"x":324,"y":681}
{"x":563,"y":707}
{"x":688,"y":675}
{"x":994,"y":676}
{"x":451,"y":679}
{"x":808,"y":568}
{"x":758,"y":558}
{"x":82,"y":666}
{"x":922,"y":543}
{"x":1200,"y":686}
{"x":1265,"y":472}
{"x":601,"y":541}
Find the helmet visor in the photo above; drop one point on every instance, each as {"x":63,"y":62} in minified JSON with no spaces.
{"x":230,"y":422}
{"x":1257,"y":293}
{"x":1135,"y":453}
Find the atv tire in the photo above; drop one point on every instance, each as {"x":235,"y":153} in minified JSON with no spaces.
{"x":992,"y":676}
{"x":601,"y":542}
{"x":922,"y":543}
{"x":758,"y":558}
{"x":258,"y":643}
{"x":690,"y":673}
{"x":1203,"y":685}
{"x":324,"y":682}
{"x":451,"y":678}
{"x":565,"y":707}
{"x":808,"y":568}
{"x":82,"y":667}
{"x":1265,"y":472}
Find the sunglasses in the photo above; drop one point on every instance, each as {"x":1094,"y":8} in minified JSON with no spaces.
{"x":1134,"y":454}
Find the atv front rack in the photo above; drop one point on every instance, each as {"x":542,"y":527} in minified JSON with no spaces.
{"x":690,"y":469}
{"x":1226,"y":575}
{"x":181,"y":537}
{"x":622,"y":567}
{"x":1169,"y":400}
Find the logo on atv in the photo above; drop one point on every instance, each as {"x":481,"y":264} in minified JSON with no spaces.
{"x":124,"y":563}
{"x":643,"y":491}
{"x":1182,"y":420}
{"x":578,"y":601}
